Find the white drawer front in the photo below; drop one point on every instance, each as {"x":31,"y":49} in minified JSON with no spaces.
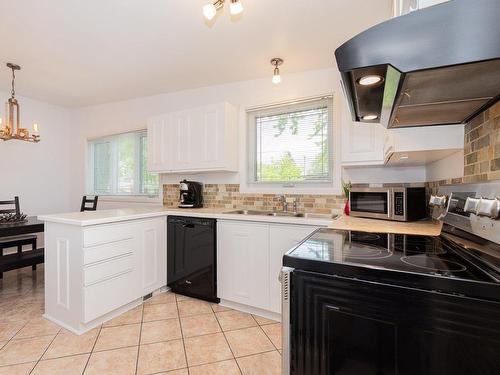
{"x":104,"y":297}
{"x":110,"y":250}
{"x":99,"y":272}
{"x":107,"y":234}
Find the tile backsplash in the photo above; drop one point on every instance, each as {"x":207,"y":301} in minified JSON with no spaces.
{"x":482,"y":146}
{"x":228,"y":196}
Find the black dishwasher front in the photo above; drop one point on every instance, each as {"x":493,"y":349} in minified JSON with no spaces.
{"x":191,"y":257}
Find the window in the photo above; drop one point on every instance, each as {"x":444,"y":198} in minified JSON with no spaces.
{"x":118,"y":166}
{"x":291,"y":144}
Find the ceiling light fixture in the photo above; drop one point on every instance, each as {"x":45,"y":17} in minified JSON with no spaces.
{"x":369,"y":117}
{"x":210,"y":10}
{"x":11,"y":128}
{"x":370,"y":80}
{"x":276,"y":62}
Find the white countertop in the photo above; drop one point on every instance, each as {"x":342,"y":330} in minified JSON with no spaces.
{"x":123,"y":214}
{"x":425,"y":227}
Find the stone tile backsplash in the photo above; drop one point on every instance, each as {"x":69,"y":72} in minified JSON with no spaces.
{"x":482,"y":146}
{"x":228,"y":196}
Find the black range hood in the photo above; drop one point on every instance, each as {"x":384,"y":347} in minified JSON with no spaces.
{"x":435,"y":66}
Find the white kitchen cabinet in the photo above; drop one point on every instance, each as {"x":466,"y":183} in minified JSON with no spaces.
{"x":281,"y":239}
{"x":154,"y":255}
{"x":243,"y":262}
{"x":249,"y":258}
{"x":158,"y":152}
{"x":93,"y":273}
{"x":362,"y":144}
{"x":402,"y":7}
{"x":194,"y":140}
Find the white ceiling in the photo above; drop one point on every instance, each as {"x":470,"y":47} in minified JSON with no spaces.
{"x":79,"y":53}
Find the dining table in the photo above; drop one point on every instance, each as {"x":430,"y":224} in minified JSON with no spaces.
{"x":31,"y":225}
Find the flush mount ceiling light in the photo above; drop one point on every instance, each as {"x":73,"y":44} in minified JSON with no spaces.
{"x":210,"y":10}
{"x":11,"y":129}
{"x":370,"y":80}
{"x":369,"y":117}
{"x":276,"y":62}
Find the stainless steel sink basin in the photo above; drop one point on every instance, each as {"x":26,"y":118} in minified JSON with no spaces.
{"x":282,"y":214}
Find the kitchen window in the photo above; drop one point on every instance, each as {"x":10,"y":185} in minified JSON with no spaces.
{"x":118,"y":166}
{"x":291,"y":145}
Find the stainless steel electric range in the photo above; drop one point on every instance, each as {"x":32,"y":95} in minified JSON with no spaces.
{"x":382,"y":304}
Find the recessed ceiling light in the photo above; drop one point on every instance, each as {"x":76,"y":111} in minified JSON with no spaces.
{"x":369,"y":80}
{"x":369,"y":117}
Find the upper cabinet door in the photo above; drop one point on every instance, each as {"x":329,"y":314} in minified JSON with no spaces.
{"x":158,"y":157}
{"x":203,"y":139}
{"x":362,"y":144}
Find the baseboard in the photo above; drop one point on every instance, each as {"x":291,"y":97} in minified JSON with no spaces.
{"x":251,"y":310}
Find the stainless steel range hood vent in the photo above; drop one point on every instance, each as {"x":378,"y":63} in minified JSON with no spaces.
{"x":436,"y":66}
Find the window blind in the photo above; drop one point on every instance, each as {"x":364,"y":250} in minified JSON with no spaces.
{"x":292,"y":144}
{"x":118,"y":166}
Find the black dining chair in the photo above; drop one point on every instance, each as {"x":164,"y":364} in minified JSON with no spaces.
{"x":13,"y":261}
{"x":93,"y":202}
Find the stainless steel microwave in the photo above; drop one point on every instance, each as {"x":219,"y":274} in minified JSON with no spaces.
{"x":389,"y":203}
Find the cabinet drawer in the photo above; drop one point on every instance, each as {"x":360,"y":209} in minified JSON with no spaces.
{"x":104,"y":297}
{"x":108,"y":269}
{"x":107,"y":251}
{"x":107,"y":234}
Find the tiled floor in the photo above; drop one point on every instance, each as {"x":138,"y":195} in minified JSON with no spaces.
{"x":169,"y":334}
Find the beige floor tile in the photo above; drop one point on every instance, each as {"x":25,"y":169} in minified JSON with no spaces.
{"x":24,"y":350}
{"x":219,"y":368}
{"x":37,"y":327}
{"x":248,"y":341}
{"x":207,"y":349}
{"x":199,"y":325}
{"x":9,"y":329}
{"x":67,"y":344}
{"x":263,"y":321}
{"x":219,"y":308}
{"x":273,"y":331}
{"x":160,"y":312}
{"x":160,"y":330}
{"x":162,"y":356}
{"x":73,"y":365}
{"x":130,"y":317}
{"x":22,"y":369}
{"x":261,"y":364}
{"x":193,"y":307}
{"x":180,"y":297}
{"x":2,"y":344}
{"x":164,"y":297}
{"x":118,"y":337}
{"x":233,"y":319}
{"x":113,"y":362}
{"x":182,"y":371}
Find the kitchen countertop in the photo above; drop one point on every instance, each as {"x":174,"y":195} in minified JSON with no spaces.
{"x":426,"y":227}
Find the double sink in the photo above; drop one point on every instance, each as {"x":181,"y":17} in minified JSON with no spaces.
{"x":282,"y":214}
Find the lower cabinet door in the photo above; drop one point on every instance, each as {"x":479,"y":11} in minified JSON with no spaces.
{"x":154,"y":254}
{"x":105,"y":296}
{"x":243,"y":262}
{"x":281,"y":239}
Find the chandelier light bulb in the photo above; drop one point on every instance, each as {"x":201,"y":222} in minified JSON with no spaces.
{"x":276,"y":62}
{"x":236,"y":7}
{"x":209,"y":11}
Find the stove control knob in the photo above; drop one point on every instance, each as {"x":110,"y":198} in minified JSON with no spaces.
{"x":471,"y":205}
{"x":438,"y":200}
{"x":488,"y":207}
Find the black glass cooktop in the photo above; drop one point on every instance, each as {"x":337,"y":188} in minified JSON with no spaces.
{"x":405,"y":254}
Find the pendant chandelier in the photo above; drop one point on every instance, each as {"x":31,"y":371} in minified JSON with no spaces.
{"x":210,"y":10}
{"x":12,"y":129}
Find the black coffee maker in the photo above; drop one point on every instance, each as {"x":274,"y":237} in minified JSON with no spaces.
{"x":190,"y":194}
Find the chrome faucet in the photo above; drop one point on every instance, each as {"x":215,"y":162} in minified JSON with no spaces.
{"x":282,"y":200}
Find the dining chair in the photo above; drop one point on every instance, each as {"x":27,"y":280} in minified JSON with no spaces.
{"x":92,"y":201}
{"x":15,"y":241}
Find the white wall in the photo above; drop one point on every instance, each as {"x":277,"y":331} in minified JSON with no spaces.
{"x":449,"y":167}
{"x":132,"y":114}
{"x":39,"y":173}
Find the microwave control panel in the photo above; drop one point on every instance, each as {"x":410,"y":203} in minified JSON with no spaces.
{"x":399,"y":203}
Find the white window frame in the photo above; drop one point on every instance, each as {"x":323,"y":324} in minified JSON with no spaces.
{"x":331,"y":187}
{"x":89,"y":182}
